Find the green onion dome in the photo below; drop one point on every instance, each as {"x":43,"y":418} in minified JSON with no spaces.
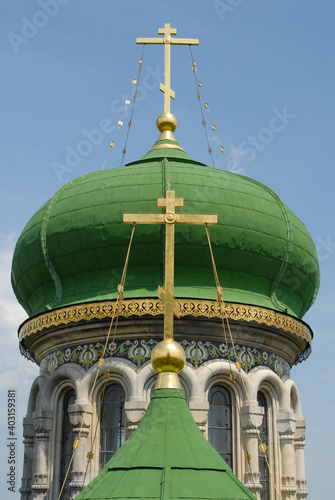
{"x":73,"y":249}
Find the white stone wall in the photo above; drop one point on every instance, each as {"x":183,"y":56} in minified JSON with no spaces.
{"x":42,"y":425}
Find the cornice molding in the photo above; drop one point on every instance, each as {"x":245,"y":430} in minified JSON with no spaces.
{"x":154,"y":307}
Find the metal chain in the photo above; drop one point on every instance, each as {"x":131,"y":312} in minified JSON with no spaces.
{"x":224,"y":318}
{"x":132,"y":109}
{"x":198,"y":84}
{"x":127,"y":102}
{"x":199,"y":94}
{"x":119,"y":299}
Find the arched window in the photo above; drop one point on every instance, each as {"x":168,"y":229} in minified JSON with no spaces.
{"x":263,"y":430}
{"x":220,"y":422}
{"x":66,"y":443}
{"x":112,"y":423}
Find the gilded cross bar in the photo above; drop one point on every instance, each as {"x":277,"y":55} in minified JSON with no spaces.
{"x":167,"y":40}
{"x":169,"y":218}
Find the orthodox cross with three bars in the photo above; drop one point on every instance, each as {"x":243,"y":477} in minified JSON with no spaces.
{"x":170,"y":218}
{"x":167,"y":31}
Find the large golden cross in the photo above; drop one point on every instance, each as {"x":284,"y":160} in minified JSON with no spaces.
{"x":170,"y":218}
{"x":167,"y":31}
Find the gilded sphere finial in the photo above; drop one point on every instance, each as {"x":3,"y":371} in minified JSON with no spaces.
{"x":167,"y":121}
{"x":168,"y":356}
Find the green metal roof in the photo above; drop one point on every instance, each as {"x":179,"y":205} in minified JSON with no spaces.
{"x":166,"y":458}
{"x":73,"y":249}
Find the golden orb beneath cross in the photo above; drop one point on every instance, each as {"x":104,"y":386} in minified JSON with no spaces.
{"x":166,"y":121}
{"x":168,"y":356}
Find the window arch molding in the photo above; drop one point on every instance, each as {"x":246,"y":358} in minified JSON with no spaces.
{"x":150,"y":384}
{"x":294,"y":398}
{"x":100,"y":389}
{"x":34,"y":397}
{"x":272,"y":399}
{"x":59,"y":395}
{"x":114,"y":378}
{"x":220,"y":421}
{"x":118,"y":374}
{"x":270,"y":382}
{"x":149,"y":387}
{"x":223,"y":380}
{"x":219,"y":372}
{"x":66,"y":443}
{"x":264,"y":433}
{"x":112,"y":420}
{"x":65,"y":374}
{"x":273,"y":407}
{"x":118,"y":377}
{"x":56,"y":409}
{"x":147,"y":378}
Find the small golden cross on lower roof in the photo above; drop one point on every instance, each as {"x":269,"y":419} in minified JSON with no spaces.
{"x":167,"y":31}
{"x":170,"y":218}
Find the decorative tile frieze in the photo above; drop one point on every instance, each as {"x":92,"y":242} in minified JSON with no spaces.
{"x":139,"y":352}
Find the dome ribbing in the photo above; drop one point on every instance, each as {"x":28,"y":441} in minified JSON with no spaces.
{"x":73,"y":248}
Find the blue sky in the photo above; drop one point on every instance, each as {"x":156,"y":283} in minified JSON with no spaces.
{"x":67,"y":67}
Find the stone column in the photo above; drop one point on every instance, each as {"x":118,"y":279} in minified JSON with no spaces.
{"x":286,"y":423}
{"x":79,"y":462}
{"x":42,"y":422}
{"x":134,"y":411}
{"x":29,"y":441}
{"x":299,"y":444}
{"x":251,"y":419}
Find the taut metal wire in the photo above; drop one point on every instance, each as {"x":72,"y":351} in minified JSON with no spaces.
{"x":224,"y":318}
{"x":120,"y":297}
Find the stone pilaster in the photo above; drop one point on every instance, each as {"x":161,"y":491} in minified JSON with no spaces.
{"x":299,"y":445}
{"x":42,"y":422}
{"x":29,"y":442}
{"x":286,"y":423}
{"x":78,"y":414}
{"x":134,"y":412}
{"x":199,"y":410}
{"x":252,"y":417}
